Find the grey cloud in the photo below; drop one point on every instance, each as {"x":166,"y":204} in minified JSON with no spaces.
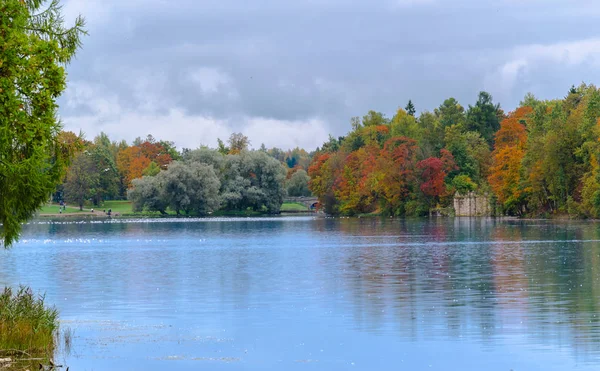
{"x":326,"y":60}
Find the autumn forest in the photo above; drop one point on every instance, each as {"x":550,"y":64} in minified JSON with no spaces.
{"x":541,"y":159}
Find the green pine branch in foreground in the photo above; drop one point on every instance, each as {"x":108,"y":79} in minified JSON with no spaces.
{"x":35,"y":46}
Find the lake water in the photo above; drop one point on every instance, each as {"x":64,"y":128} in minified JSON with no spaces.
{"x":307,"y":293}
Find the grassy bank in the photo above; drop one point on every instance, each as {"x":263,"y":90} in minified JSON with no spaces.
{"x":293,"y":207}
{"x":55,"y":209}
{"x":26,"y":323}
{"x":123,"y":208}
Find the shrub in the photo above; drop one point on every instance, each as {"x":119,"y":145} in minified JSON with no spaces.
{"x":463,"y":184}
{"x":26,"y":324}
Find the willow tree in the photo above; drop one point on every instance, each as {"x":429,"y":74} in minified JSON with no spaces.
{"x":35,"y":47}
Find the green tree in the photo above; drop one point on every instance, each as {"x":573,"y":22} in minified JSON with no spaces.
{"x":373,"y":118}
{"x":277,"y":153}
{"x":432,"y":138}
{"x":484,"y":117}
{"x":82,"y":179}
{"x":152,"y":169}
{"x":221,"y":147}
{"x":450,"y":113}
{"x":405,"y":125}
{"x":254,"y":180}
{"x":463,"y":184}
{"x":205,"y":155}
{"x":191,"y":188}
{"x":297,"y":185}
{"x":170,"y":149}
{"x":35,"y":46}
{"x":333,"y":144}
{"x":410,"y":108}
{"x":108,"y":175}
{"x":146,"y":194}
{"x":530,"y":100}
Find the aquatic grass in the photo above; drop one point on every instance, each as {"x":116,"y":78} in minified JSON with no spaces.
{"x":26,"y":323}
{"x":68,"y":340}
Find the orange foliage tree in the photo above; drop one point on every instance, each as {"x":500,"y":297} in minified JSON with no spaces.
{"x":356,"y":189}
{"x":324,"y":175}
{"x":395,"y":174}
{"x":507,"y":161}
{"x":132,"y":160}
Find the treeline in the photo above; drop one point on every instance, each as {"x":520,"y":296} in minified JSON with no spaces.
{"x":102,"y":169}
{"x":539,"y":160}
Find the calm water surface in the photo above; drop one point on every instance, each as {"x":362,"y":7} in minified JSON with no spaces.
{"x":318,"y":294}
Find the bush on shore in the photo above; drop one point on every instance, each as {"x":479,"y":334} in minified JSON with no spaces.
{"x":26,"y":324}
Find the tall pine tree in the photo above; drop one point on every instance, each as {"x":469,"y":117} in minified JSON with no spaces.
{"x":410,"y":108}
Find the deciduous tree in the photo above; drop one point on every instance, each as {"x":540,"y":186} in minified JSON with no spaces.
{"x":297,"y":185}
{"x":82,"y":179}
{"x":396,"y":176}
{"x":506,"y":175}
{"x":238,"y":142}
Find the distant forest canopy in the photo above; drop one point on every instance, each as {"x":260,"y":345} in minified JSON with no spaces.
{"x":540,"y":159}
{"x":157,"y":176}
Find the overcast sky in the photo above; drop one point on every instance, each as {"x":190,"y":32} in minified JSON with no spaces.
{"x":288,"y":73}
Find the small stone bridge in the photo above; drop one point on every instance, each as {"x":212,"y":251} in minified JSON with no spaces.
{"x":306,"y":201}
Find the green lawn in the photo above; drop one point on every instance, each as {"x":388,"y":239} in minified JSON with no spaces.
{"x":123,"y":207}
{"x":54,"y":209}
{"x":295,"y":206}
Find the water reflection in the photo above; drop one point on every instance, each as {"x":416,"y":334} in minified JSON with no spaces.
{"x":537,"y":282}
{"x":280,"y":292}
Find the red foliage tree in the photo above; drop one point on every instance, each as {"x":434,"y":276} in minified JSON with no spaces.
{"x":434,"y":172}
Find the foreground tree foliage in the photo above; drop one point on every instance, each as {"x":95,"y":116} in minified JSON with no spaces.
{"x":35,"y":46}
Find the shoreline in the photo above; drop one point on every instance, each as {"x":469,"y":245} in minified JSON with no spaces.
{"x":95,"y":215}
{"x":144,"y":216}
{"x":83,"y":213}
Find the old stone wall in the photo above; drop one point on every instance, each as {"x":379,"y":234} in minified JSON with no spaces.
{"x":472,"y":204}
